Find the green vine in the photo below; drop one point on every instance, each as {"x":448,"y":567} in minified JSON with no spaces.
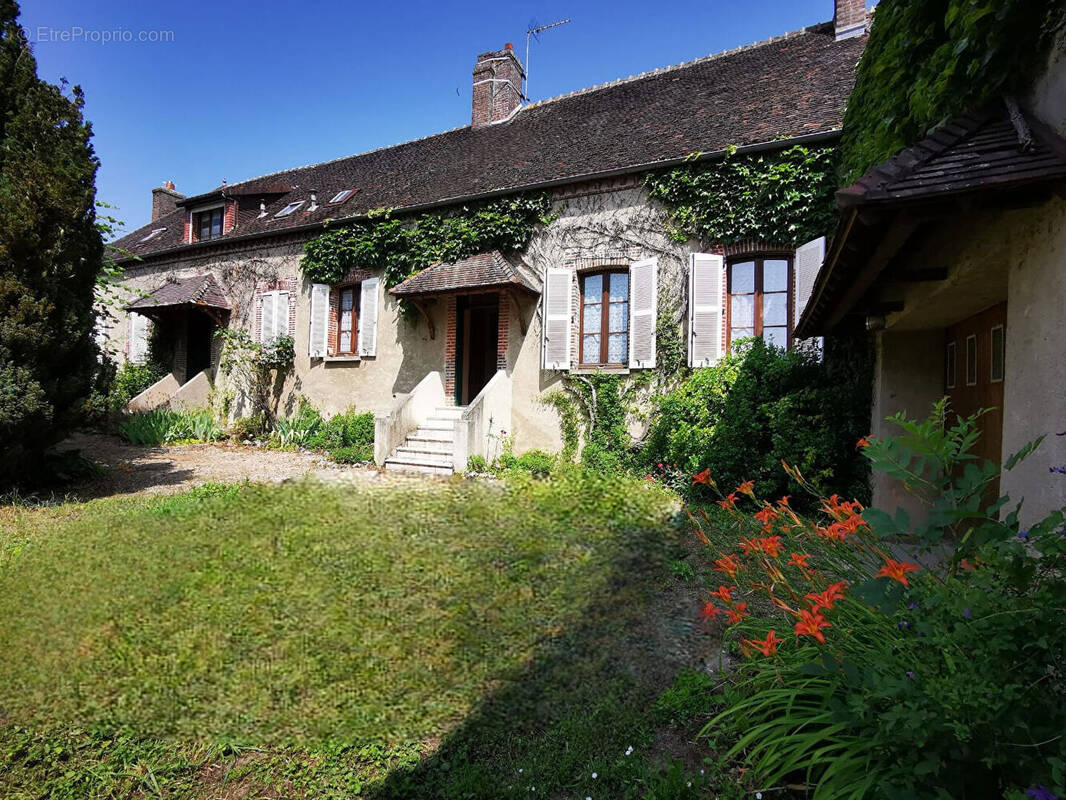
{"x":402,"y":246}
{"x":569,"y":422}
{"x":930,"y":60}
{"x":782,"y":196}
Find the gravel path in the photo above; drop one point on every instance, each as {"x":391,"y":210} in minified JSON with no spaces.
{"x":133,"y":469}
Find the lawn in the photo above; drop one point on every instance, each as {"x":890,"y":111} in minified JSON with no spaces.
{"x":441,"y":641}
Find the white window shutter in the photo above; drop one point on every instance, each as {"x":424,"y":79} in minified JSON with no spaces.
{"x":319,"y":331}
{"x":556,"y":323}
{"x":266,"y":317}
{"x":281,"y":315}
{"x":809,"y":258}
{"x":368,"y":317}
{"x":138,"y":339}
{"x":705,"y":280}
{"x":643,"y":294}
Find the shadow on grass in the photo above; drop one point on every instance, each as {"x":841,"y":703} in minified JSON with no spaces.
{"x":582,"y":706}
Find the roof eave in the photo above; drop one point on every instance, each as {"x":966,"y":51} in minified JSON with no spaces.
{"x":774,"y":144}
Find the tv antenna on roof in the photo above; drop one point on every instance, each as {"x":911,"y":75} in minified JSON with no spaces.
{"x":534,"y":31}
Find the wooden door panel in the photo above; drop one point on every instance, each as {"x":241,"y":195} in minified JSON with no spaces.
{"x":976,"y":348}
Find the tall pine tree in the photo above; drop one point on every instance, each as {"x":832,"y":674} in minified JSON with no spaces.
{"x":50,"y":256}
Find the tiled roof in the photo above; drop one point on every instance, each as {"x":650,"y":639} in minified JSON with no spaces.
{"x":998,"y":147}
{"x":483,"y":271}
{"x":200,"y":290}
{"x":988,"y":156}
{"x":788,"y":87}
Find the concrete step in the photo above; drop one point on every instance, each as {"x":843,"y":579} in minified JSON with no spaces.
{"x":447,"y":412}
{"x":428,"y":448}
{"x":432,"y":424}
{"x":406,"y":455}
{"x":434,"y":434}
{"x":399,"y":466}
{"x":424,"y":463}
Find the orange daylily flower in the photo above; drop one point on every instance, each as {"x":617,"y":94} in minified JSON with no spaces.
{"x":897,"y":570}
{"x":783,"y":502}
{"x":737,"y":613}
{"x":767,"y":646}
{"x":771,"y":545}
{"x":827,"y":598}
{"x":766,"y":516}
{"x":729,"y":502}
{"x":970,"y":565}
{"x":710,"y":610}
{"x":727,"y":564}
{"x":863,"y":442}
{"x":811,"y":624}
{"x":801,"y":560}
{"x":748,"y":488}
{"x":704,"y":478}
{"x":724,"y":593}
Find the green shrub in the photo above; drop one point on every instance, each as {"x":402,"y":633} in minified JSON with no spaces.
{"x":535,"y":462}
{"x":130,"y":380}
{"x":345,"y":430}
{"x":163,"y":426}
{"x":897,"y":658}
{"x":760,"y":405}
{"x":352,"y":454}
{"x":253,"y":426}
{"x":477,"y":464}
{"x":299,"y":430}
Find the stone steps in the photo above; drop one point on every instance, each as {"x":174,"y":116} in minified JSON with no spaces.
{"x":431,"y":447}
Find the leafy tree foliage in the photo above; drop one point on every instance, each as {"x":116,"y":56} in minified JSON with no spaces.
{"x":50,"y":255}
{"x":930,"y":60}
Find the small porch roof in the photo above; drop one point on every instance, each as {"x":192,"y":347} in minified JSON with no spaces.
{"x":199,"y":290}
{"x":491,"y":270}
{"x":1000,"y":157}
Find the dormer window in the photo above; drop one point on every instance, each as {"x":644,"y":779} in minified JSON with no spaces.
{"x":289,"y":209}
{"x":153,"y":234}
{"x":208,"y":224}
{"x":341,"y":196}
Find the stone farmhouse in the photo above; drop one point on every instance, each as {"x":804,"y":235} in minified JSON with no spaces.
{"x":496,"y":332}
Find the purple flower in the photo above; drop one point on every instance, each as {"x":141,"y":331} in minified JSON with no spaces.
{"x":912,"y":606}
{"x":903,"y":624}
{"x":1061,"y":470}
{"x":966,"y":613}
{"x":912,"y":676}
{"x":1023,"y":534}
{"x":1041,"y":793}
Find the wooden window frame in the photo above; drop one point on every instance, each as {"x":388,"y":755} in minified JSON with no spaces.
{"x":992,"y":354}
{"x":197,"y":220}
{"x":976,"y":356}
{"x":357,"y":291}
{"x":605,"y":315}
{"x":757,"y":293}
{"x":951,"y":365}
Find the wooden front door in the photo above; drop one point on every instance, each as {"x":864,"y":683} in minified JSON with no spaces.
{"x":479,"y":330}
{"x":975,"y":370}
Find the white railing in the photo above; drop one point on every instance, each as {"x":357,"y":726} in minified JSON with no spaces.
{"x":407,"y":412}
{"x":483,"y":421}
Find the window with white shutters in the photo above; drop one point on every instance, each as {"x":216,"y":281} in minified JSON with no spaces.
{"x":137,"y":349}
{"x":604,"y":334}
{"x":809,"y":258}
{"x":760,"y":299}
{"x":644,"y":292}
{"x":274,"y":317}
{"x":705,"y":282}
{"x":555,"y":345}
{"x":368,"y":317}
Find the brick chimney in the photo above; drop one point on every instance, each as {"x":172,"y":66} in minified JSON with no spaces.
{"x":849,"y":18}
{"x":497,"y":86}
{"x":164,"y":200}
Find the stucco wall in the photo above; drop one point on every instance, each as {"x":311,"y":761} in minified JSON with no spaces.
{"x":1018,"y":256}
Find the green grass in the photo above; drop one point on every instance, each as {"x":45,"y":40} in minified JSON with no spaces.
{"x":449,"y":641}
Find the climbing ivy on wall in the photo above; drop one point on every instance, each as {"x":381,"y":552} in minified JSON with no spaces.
{"x":781,"y":196}
{"x":403,"y":245}
{"x":930,"y":60}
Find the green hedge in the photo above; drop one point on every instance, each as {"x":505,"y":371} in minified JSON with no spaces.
{"x":760,"y":405}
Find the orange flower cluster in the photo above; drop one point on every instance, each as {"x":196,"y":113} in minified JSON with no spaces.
{"x":704,"y":478}
{"x":728,"y":564}
{"x":811,"y":624}
{"x":767,"y":646}
{"x":828,"y":597}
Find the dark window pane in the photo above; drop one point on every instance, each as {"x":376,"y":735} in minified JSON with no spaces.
{"x":999,"y":345}
{"x":971,"y":360}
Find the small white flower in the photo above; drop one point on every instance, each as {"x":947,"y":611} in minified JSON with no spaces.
{"x":688,"y":784}
{"x":758,"y":796}
{"x":701,"y":772}
{"x":629,"y":750}
{"x":593,"y":774}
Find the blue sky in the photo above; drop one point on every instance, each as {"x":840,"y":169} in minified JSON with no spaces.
{"x":247,"y":88}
